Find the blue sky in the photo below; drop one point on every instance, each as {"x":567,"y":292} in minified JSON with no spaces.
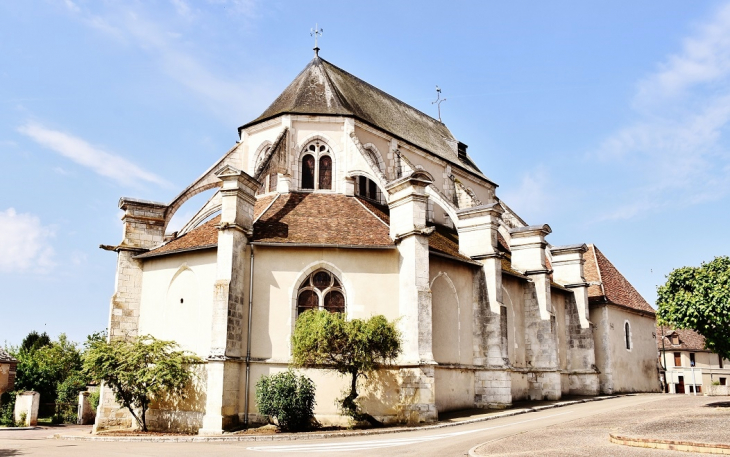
{"x":606,"y":120}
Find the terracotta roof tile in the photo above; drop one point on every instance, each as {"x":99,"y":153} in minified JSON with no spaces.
{"x":615,"y":288}
{"x":205,"y":235}
{"x":318,"y":218}
{"x":446,"y":241}
{"x":689,"y":340}
{"x":314,"y":218}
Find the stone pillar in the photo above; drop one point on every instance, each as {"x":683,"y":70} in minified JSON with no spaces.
{"x":144,"y":229}
{"x":408,"y":202}
{"x":85,"y":412}
{"x":528,"y":256}
{"x":477,"y":227}
{"x":568,"y":270}
{"x":26,"y":409}
{"x":230,"y":313}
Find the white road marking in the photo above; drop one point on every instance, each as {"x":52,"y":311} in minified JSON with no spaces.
{"x":375,"y":444}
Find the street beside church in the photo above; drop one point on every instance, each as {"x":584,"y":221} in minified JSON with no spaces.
{"x":581,"y":429}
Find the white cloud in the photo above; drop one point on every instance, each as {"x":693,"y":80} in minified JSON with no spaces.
{"x":705,"y":58}
{"x":534,"y":196}
{"x":678,"y":150}
{"x":104,"y":163}
{"x":169,"y":49}
{"x":24,"y":243}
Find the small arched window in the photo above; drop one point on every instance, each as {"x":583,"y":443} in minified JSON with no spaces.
{"x":627,"y":330}
{"x":321,"y":290}
{"x":308,"y":172}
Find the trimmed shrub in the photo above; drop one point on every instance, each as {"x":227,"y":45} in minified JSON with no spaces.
{"x":288,"y":398}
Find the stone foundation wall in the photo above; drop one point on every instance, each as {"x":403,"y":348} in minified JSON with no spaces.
{"x":492,"y":389}
{"x":544,"y":385}
{"x":417,"y":395}
{"x":583,"y":384}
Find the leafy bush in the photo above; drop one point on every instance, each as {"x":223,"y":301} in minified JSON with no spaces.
{"x":353,"y":348}
{"x":7,"y":409}
{"x":94,"y":399}
{"x":139,"y":370}
{"x":69,"y":388}
{"x":44,"y":365}
{"x":288,"y":398}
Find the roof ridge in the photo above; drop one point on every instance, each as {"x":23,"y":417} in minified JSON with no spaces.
{"x":397,"y":100}
{"x":598,"y":270}
{"x":622,"y":276}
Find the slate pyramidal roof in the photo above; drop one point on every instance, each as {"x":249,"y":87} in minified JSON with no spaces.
{"x":327,"y":90}
{"x":609,"y":286}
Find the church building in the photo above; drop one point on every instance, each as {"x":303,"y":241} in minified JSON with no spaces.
{"x":341,"y":197}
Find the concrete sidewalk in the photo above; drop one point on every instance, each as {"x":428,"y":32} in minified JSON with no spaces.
{"x":445,"y":420}
{"x":674,"y":422}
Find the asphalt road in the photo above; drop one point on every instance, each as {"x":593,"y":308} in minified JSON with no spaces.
{"x":558,"y":424}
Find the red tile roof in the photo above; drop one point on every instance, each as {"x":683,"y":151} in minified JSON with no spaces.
{"x":313,"y":218}
{"x":689,"y":340}
{"x":322,"y":219}
{"x":609,"y":285}
{"x":204,"y":236}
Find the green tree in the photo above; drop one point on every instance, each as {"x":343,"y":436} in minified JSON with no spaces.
{"x":43,"y":366}
{"x":698,"y":298}
{"x":35,"y":340}
{"x":350,"y":347}
{"x":139,"y":370}
{"x":288,"y":398}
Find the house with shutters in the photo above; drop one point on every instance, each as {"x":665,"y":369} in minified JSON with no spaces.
{"x":341,"y":197}
{"x":688,"y":367}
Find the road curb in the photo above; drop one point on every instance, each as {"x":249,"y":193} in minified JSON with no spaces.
{"x":315,"y":436}
{"x":674,"y":445}
{"x":17,"y":429}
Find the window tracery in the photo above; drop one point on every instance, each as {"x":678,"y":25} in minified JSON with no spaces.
{"x":321,"y":290}
{"x":317,"y":167}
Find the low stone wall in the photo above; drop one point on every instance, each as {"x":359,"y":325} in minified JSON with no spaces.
{"x":718,"y":391}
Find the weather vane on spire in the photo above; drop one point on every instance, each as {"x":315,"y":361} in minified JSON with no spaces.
{"x":316,"y":32}
{"x":438,"y":100}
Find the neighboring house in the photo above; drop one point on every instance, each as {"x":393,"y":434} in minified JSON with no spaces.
{"x":624,"y":334}
{"x":341,"y":197}
{"x":689,"y":367}
{"x":8,"y":365}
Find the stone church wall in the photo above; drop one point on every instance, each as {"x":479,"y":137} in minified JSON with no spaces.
{"x":177,"y":299}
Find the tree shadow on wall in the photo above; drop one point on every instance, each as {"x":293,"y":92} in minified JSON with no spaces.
{"x":381,"y":396}
{"x":175,"y":413}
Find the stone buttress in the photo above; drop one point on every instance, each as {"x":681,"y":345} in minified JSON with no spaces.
{"x":408,"y":204}
{"x":229,"y":311}
{"x":144,"y":226}
{"x":568,"y":270}
{"x":541,"y":349}
{"x":477,"y":228}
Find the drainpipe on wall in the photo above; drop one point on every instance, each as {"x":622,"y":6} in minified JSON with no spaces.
{"x":248,"y":339}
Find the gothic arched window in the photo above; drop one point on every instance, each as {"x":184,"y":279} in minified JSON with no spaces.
{"x":317,"y":167}
{"x":308,"y":172}
{"x":325,"y":172}
{"x":321,"y":290}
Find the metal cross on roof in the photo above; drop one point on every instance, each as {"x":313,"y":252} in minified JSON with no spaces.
{"x":316,"y":32}
{"x":438,"y":101}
